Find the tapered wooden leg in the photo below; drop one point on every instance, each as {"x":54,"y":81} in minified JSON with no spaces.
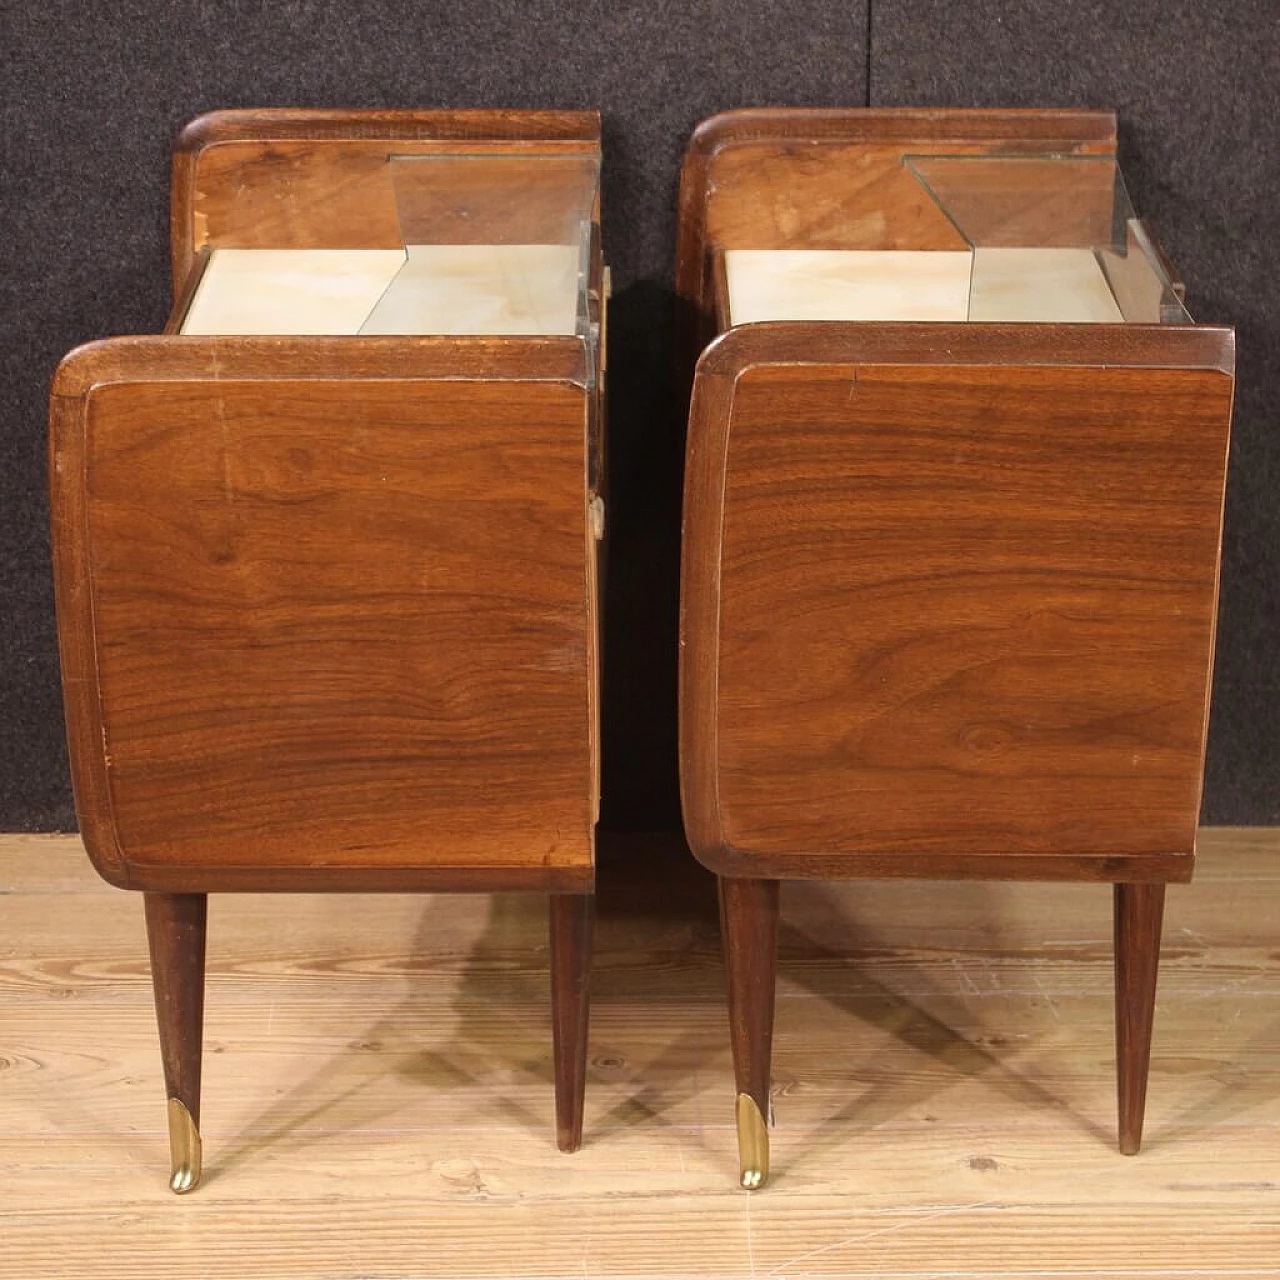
{"x":1139,"y":912}
{"x":176,"y":936}
{"x":749,"y":923}
{"x":572,"y":929}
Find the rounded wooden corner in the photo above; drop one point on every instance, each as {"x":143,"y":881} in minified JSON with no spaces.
{"x":699,"y":800}
{"x":210,"y":127}
{"x":718,"y":860}
{"x":732,"y":352}
{"x":719,"y":355}
{"x":110,"y":866}
{"x":131,"y":356}
{"x":707,"y":843}
{"x":736,"y":351}
{"x":83,"y":367}
{"x":709,"y":134}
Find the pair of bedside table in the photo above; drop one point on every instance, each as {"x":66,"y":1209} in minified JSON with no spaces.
{"x":328,"y":552}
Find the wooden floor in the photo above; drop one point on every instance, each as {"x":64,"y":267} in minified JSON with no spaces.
{"x":377,"y":1098}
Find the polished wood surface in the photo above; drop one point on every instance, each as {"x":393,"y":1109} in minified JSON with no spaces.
{"x":572,"y":933}
{"x":749,"y":927}
{"x":349,"y":629}
{"x":177,"y":932}
{"x":377,"y":1097}
{"x":956,"y":607}
{"x":315,"y":179}
{"x":1139,"y":915}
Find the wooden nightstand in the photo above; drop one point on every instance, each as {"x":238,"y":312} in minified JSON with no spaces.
{"x":327,"y":551}
{"x":952,"y":523}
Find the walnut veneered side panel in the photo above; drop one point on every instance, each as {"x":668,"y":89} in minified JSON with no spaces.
{"x":949,"y":608}
{"x":336,"y":624}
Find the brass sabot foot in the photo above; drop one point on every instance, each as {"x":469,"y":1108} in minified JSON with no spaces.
{"x":184,"y":1148}
{"x":753,"y":1143}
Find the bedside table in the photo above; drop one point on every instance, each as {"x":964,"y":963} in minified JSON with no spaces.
{"x":952,"y":525}
{"x":327,"y":552}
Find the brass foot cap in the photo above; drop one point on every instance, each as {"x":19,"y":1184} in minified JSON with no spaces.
{"x":753,"y":1144}
{"x":184,"y":1149}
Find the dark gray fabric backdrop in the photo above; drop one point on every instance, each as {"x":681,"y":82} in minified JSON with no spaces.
{"x":92,"y":97}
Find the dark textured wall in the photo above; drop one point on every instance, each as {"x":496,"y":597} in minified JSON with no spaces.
{"x":92,"y":97}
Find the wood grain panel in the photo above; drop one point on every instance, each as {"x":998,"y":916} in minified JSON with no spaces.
{"x":340,"y":623}
{"x":957,"y":611}
{"x":354,"y":629}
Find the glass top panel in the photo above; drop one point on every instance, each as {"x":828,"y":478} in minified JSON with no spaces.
{"x":495,"y":199}
{"x":494,"y":244}
{"x":1029,"y":201}
{"x":1051,"y":239}
{"x":1006,"y":207}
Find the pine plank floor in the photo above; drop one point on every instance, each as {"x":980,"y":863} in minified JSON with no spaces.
{"x":377,"y":1094}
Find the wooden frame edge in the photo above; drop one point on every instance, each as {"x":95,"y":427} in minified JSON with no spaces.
{"x":165,"y":357}
{"x":1099,"y":868}
{"x":249,"y":124}
{"x":779,"y":342}
{"x":498,"y":878}
{"x":77,"y":652}
{"x":890,"y":124}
